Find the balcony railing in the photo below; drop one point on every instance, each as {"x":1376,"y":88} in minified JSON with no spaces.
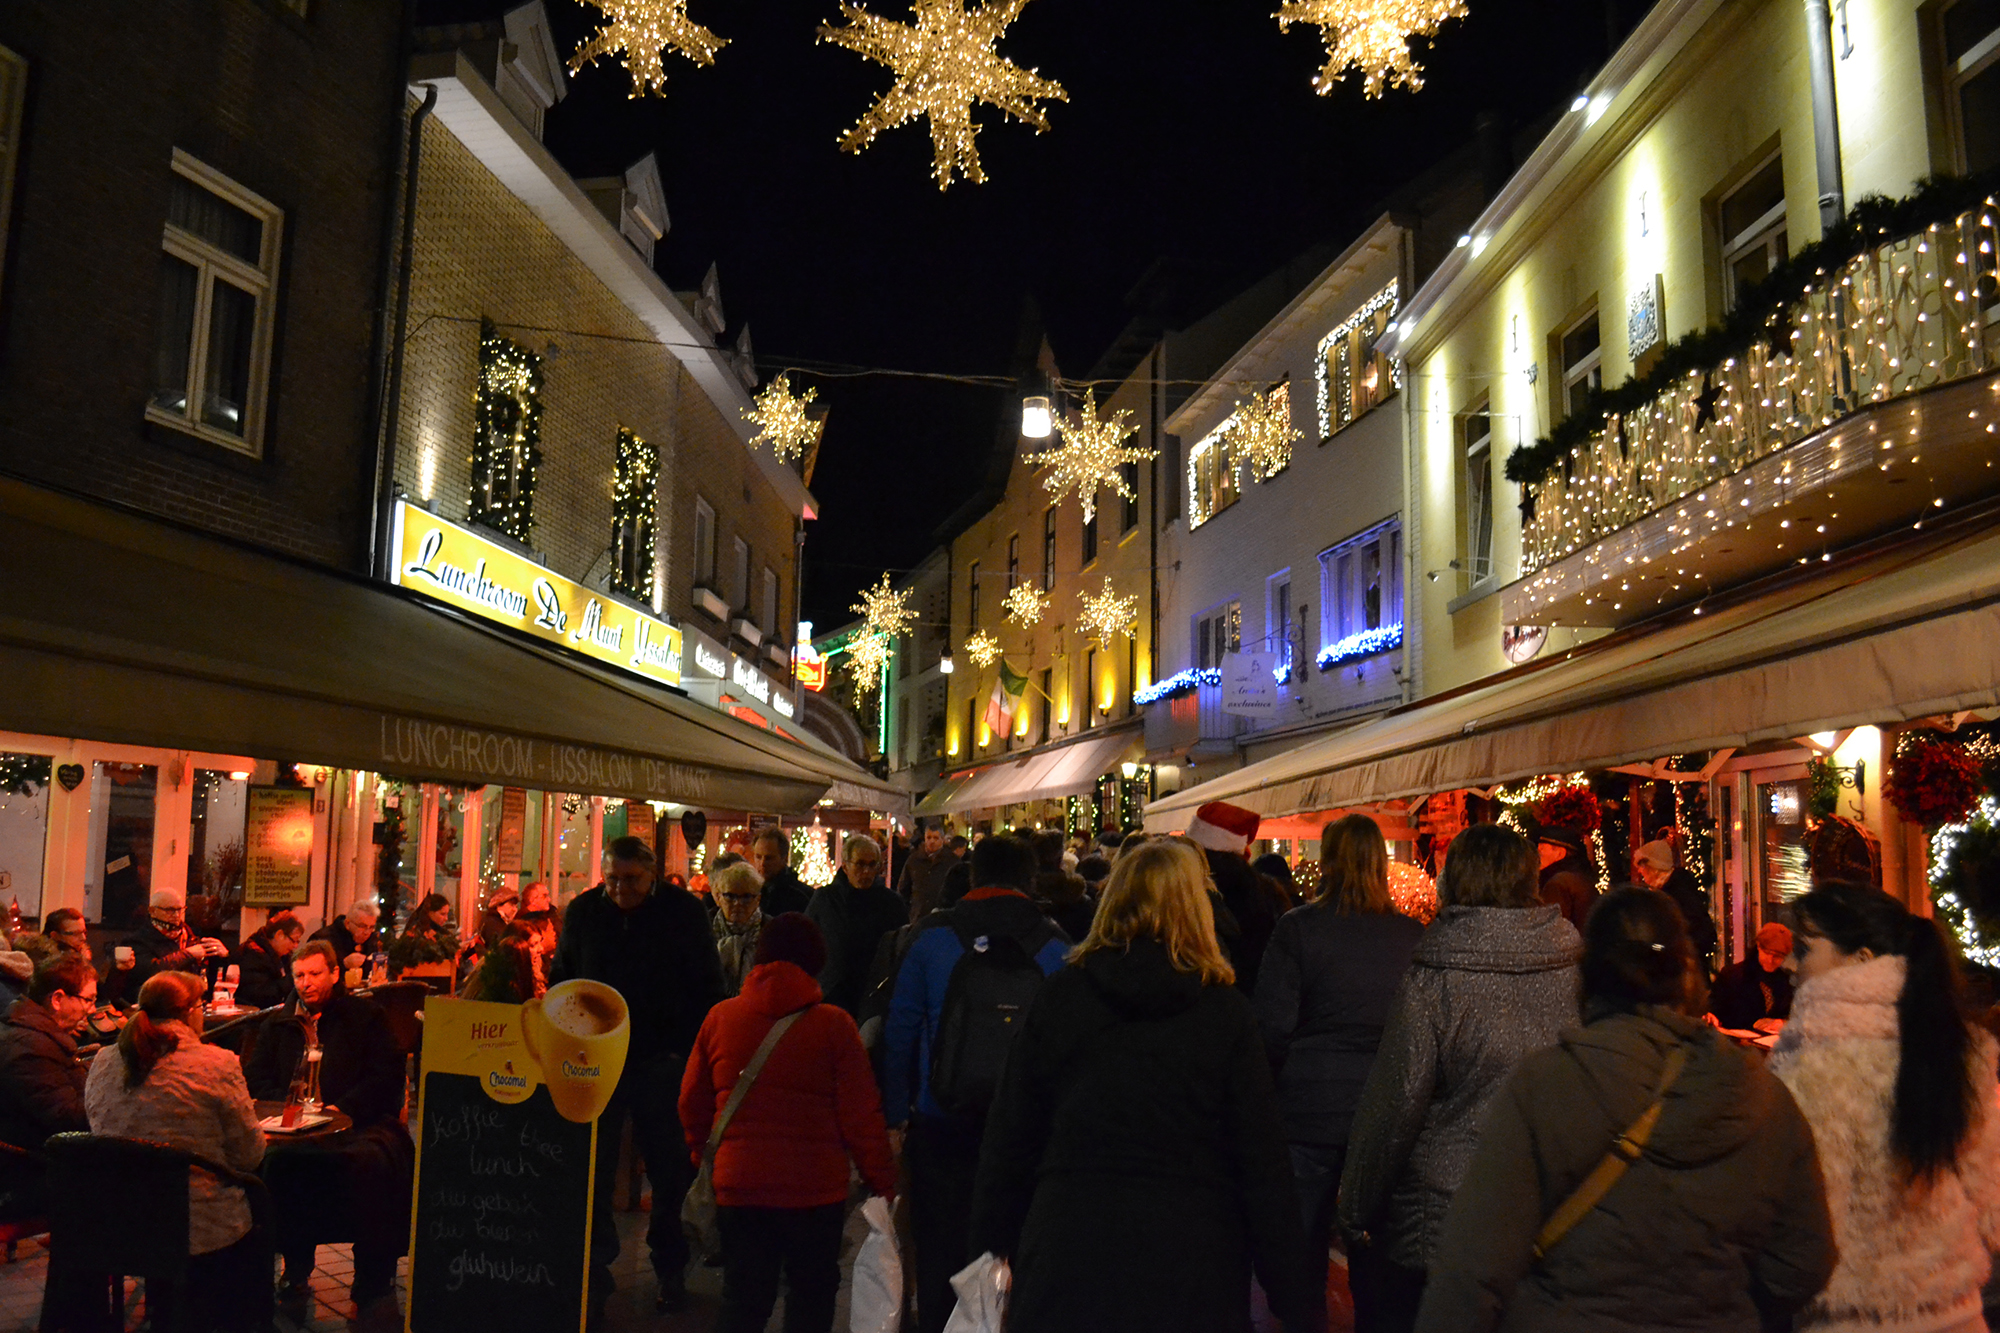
{"x":1905,"y":316}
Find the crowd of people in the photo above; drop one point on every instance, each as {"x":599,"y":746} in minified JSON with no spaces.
{"x":1158,"y":1080}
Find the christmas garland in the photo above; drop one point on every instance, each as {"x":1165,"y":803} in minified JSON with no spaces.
{"x":23,"y":774}
{"x":1760,"y":318}
{"x":506,"y":435}
{"x":635,"y":486}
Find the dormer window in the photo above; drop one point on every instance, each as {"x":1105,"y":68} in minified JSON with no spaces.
{"x":529,"y":77}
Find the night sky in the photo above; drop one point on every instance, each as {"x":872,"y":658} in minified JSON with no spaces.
{"x":1192,"y":134}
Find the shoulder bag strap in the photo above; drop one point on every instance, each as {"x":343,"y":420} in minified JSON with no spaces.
{"x":1625,"y":1149}
{"x":745,"y":1080}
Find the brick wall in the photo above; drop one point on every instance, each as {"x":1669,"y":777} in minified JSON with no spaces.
{"x":302,"y":112}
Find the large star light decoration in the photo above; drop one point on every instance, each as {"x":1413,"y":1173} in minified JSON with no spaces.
{"x":982,"y":649}
{"x":1262,"y":435}
{"x":867,"y":658}
{"x":782,"y":420}
{"x":1025,"y":604}
{"x":1090,"y":456}
{"x":945,"y":64}
{"x":1372,"y":36}
{"x":1106,"y":613}
{"x":645,"y":30}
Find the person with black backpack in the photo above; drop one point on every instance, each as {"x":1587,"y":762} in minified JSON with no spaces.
{"x":960,"y":996}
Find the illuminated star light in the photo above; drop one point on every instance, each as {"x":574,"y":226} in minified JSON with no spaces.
{"x":1106,"y":613}
{"x":1372,"y":36}
{"x":945,"y":64}
{"x":885,"y":610}
{"x":867,"y":656}
{"x":645,"y":30}
{"x":782,"y":421}
{"x":982,"y":649}
{"x":1090,"y":457}
{"x":1262,"y":435}
{"x":1025,"y":604}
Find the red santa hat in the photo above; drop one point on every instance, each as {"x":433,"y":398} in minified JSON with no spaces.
{"x":1222,"y":827}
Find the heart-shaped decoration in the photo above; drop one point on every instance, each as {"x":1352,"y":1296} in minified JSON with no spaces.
{"x":70,"y":775}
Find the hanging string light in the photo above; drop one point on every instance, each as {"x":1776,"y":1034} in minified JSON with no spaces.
{"x":1106,"y":613}
{"x":782,"y":420}
{"x":886,"y":616}
{"x":506,"y":435}
{"x":982,"y":649}
{"x":643,"y":31}
{"x":1261,"y":433}
{"x":945,"y":64}
{"x":1092,"y":456}
{"x":635,"y":487}
{"x":1371,"y":36}
{"x":1025,"y":604}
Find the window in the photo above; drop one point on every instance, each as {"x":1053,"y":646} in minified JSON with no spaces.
{"x":1217,"y":632}
{"x":1278,"y":620}
{"x":1130,"y":471}
{"x":972,"y":595}
{"x":1475,"y":550}
{"x":1090,"y":536}
{"x":1048,"y":679}
{"x":1131,"y":673}
{"x":1048,"y":548}
{"x":769,"y":622}
{"x":1361,"y":583}
{"x":1013,"y":561}
{"x":704,"y":544}
{"x":1971,"y":49}
{"x":1090,"y":687}
{"x":1751,"y":221}
{"x":506,"y":436}
{"x":1211,"y":479}
{"x":971,"y":726}
{"x":635,"y":486}
{"x":1354,"y":376}
{"x":739,"y":587}
{"x":1582,"y":363}
{"x":1170,"y":454}
{"x":218,"y":292}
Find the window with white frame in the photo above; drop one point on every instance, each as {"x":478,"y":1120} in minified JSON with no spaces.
{"x":1355,"y":376}
{"x":1582,"y":363}
{"x":1361,"y":587}
{"x":1970,"y":47}
{"x":1475,"y":551}
{"x":1211,"y":480}
{"x":1217,"y":631}
{"x":1278,"y":622}
{"x":768,"y":622}
{"x":1750,"y":220}
{"x":704,"y":544}
{"x":739,"y":586}
{"x":217,"y":305}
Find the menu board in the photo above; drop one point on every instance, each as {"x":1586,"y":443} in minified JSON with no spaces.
{"x":506,"y":1130}
{"x":513,"y":828}
{"x":277,"y":847}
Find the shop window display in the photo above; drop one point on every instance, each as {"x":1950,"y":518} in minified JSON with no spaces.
{"x":24,"y":827}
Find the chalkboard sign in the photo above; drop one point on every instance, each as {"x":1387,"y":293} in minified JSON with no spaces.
{"x":506,"y":1135}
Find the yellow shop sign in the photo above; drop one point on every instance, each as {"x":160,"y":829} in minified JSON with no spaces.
{"x":456,"y":566}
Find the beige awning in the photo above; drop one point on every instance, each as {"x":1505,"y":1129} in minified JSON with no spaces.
{"x":120,"y":628}
{"x":1884,"y":637}
{"x":1042,"y":775}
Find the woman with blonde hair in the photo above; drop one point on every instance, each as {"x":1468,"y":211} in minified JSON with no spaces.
{"x":1323,"y":997}
{"x":160,"y":1082}
{"x":1137,"y":1108}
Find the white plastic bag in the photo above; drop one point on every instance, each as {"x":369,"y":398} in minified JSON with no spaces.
{"x":876,"y":1304}
{"x":982,"y":1296}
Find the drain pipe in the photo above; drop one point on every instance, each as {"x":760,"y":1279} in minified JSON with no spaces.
{"x":1826,"y":116}
{"x":392,"y":398}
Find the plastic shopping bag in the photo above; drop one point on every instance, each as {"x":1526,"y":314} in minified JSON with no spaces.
{"x":982,"y":1296}
{"x":876,"y":1305}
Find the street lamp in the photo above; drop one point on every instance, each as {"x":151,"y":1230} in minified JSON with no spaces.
{"x":1037,"y":421}
{"x":945,"y":666}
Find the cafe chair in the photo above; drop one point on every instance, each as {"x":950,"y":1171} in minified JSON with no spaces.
{"x":22,"y":1212}
{"x":141,"y":1190}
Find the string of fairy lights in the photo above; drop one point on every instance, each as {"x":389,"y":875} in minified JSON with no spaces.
{"x":946,"y":60}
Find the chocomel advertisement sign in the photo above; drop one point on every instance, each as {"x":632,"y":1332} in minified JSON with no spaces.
{"x":443,"y":560}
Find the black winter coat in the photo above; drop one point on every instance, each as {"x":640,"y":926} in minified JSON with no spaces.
{"x":1323,"y":996}
{"x":341,"y":937}
{"x":1133,"y":1168}
{"x":784,"y":892}
{"x":263,"y":979}
{"x":1692,"y":899}
{"x":41,"y":1082}
{"x":660,"y":956}
{"x":361,"y":1071}
{"x":152,"y":952}
{"x":1254,"y":908}
{"x":853,"y":922}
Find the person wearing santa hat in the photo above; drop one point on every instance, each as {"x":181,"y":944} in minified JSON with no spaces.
{"x":1224,"y":833}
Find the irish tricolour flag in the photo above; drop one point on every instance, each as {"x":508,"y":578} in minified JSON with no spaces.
{"x":1006,"y":698}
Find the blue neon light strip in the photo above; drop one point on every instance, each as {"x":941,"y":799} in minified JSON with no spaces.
{"x":1181,"y":682}
{"x":1367,"y":643}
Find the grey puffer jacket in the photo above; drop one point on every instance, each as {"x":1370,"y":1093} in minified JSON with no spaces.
{"x":1722,"y":1218}
{"x":1488,"y":986}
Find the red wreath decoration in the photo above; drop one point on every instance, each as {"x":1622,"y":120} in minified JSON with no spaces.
{"x":1571,"y":807}
{"x":1932,"y":781}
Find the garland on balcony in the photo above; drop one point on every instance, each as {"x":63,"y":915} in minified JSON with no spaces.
{"x":1367,"y":643}
{"x":506,"y":435}
{"x":1181,"y":682}
{"x":1760,"y":317}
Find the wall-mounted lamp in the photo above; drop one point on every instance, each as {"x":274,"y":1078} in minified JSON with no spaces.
{"x":1129,"y":770}
{"x":1037,"y":420}
{"x":945,"y":665}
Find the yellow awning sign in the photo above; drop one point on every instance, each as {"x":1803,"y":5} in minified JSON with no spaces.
{"x":473,"y":573}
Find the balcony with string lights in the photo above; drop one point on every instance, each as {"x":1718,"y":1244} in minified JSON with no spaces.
{"x":1869,"y":401}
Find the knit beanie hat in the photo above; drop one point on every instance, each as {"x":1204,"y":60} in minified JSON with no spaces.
{"x":1222,"y":827}
{"x":792,"y":938}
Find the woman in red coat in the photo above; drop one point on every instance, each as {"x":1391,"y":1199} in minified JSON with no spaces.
{"x":782,"y":1168}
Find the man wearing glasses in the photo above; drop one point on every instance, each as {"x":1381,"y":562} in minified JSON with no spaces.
{"x":163,"y":944}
